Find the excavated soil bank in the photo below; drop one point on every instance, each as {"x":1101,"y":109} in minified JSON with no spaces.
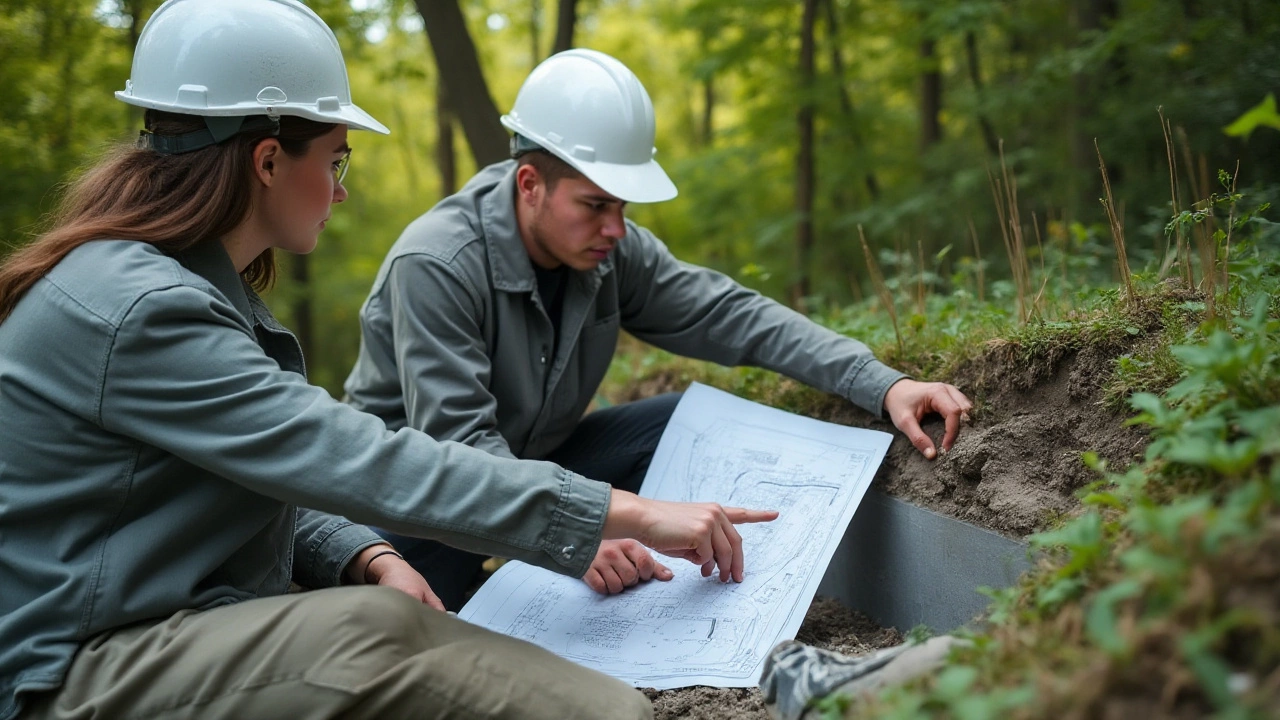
{"x":1018,"y":464}
{"x":1015,"y":468}
{"x":828,"y":624}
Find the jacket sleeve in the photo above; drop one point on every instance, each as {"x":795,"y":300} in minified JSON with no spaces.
{"x":443,"y":365}
{"x":323,"y":546}
{"x":695,"y":311}
{"x":185,"y":375}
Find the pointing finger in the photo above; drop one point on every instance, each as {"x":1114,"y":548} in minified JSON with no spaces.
{"x":738,"y":515}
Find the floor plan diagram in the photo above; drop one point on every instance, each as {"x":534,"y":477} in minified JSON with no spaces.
{"x":696,"y":630}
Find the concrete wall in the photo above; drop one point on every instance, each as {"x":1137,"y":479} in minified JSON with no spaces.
{"x":904,"y":565}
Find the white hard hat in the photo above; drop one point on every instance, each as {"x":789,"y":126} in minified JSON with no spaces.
{"x":240,"y":58}
{"x":589,"y":110}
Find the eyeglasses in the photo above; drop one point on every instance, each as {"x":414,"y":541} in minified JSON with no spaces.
{"x":340,"y":166}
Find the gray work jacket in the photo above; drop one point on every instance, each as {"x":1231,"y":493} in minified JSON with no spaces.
{"x":455,"y":340}
{"x":157,"y":437}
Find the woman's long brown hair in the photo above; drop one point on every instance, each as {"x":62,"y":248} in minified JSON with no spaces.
{"x":171,"y":201}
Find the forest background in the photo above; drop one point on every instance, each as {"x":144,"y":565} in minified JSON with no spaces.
{"x":786,"y":125}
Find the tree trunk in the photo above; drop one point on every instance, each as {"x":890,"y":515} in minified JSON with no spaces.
{"x":65,"y":128}
{"x":303,"y":319}
{"x":708,"y":109}
{"x":930,"y":94}
{"x":1090,"y":15}
{"x":804,"y":160}
{"x":446,"y":159}
{"x":846,"y":102}
{"x":566,"y":19}
{"x":975,"y":74}
{"x":463,"y":79}
{"x":136,"y":10}
{"x":535,"y":30}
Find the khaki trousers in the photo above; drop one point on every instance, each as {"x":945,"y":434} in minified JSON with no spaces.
{"x":359,"y":652}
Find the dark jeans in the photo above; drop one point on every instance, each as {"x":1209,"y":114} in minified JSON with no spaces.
{"x":613,"y":445}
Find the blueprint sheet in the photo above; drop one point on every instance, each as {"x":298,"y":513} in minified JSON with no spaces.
{"x":694,"y":630}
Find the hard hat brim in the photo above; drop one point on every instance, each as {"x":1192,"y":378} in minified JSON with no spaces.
{"x":349,"y":114}
{"x":357,"y":118}
{"x":647,"y":183}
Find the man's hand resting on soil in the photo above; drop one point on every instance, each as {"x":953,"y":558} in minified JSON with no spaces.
{"x":622,"y":563}
{"x":701,"y":533}
{"x":908,"y":401}
{"x":374,"y":566}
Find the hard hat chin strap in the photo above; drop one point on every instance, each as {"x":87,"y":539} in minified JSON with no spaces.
{"x":216,"y":130}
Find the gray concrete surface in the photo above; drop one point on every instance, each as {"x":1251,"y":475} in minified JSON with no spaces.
{"x":904,"y":565}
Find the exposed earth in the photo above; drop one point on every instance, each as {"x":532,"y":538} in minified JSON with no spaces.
{"x":1013,"y":470}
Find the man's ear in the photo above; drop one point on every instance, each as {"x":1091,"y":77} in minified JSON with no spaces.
{"x":529,"y":185}
{"x":265,"y":156}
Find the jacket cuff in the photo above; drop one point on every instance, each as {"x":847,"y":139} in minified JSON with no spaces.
{"x":865,"y":385}
{"x":331,"y":550}
{"x":577,"y":524}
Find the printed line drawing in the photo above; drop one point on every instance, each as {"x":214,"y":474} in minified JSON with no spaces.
{"x":695,"y":630}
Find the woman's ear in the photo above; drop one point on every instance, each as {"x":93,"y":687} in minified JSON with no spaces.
{"x":265,"y":155}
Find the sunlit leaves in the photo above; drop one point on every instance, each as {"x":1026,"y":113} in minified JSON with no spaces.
{"x":1261,"y":115}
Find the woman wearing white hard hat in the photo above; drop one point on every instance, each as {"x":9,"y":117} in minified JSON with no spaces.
{"x":158,"y":438}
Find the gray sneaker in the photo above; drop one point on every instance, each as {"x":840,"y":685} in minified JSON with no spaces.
{"x":796,"y":674}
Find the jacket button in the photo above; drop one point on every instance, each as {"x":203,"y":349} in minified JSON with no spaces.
{"x":542,"y":358}
{"x":567,"y":552}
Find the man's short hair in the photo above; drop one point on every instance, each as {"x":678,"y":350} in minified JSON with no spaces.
{"x":550,"y":168}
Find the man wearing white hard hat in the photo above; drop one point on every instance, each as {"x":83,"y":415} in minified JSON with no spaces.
{"x":495,"y":315}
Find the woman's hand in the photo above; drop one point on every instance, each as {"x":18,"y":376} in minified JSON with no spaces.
{"x":375,"y":565}
{"x":701,"y":533}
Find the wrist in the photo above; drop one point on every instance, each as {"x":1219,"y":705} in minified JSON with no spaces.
{"x":624,"y":517}
{"x":367,"y":566}
{"x":898,"y":387}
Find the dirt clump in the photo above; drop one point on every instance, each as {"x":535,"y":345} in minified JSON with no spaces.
{"x":828,"y":625}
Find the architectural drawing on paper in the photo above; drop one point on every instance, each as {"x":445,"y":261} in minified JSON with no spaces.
{"x":695,"y":630}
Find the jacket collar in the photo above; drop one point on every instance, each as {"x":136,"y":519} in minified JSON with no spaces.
{"x":510,"y":268}
{"x":210,"y":261}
